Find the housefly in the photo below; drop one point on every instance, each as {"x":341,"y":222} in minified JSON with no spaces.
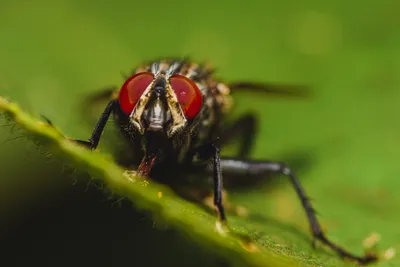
{"x":171,"y":113}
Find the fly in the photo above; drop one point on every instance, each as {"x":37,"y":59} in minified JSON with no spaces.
{"x":171,"y":113}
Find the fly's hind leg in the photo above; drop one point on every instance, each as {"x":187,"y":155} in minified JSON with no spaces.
{"x":260,"y":168}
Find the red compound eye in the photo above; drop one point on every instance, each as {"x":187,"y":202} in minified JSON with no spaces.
{"x":188,"y":94}
{"x":133,"y":89}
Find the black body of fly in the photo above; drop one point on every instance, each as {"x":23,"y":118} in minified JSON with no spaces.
{"x":171,"y":113}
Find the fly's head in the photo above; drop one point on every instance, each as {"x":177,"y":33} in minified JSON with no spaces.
{"x":160,"y":105}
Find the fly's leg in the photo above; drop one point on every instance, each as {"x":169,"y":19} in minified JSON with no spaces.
{"x":211,"y":150}
{"x":245,"y":128}
{"x":259,"y":168}
{"x":101,"y":123}
{"x":98,"y":130}
{"x":218,"y":186}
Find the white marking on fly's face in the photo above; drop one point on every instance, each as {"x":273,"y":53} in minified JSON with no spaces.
{"x":157,"y":119}
{"x":157,"y":108}
{"x":157,"y":112}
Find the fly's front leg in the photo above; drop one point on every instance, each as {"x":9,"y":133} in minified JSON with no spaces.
{"x":101,"y":123}
{"x":98,"y":130}
{"x":259,"y":168}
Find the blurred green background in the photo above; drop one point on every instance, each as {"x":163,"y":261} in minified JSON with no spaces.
{"x":343,"y":141}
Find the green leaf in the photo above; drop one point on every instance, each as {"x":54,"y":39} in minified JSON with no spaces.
{"x":144,"y":194}
{"x":343,"y":144}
